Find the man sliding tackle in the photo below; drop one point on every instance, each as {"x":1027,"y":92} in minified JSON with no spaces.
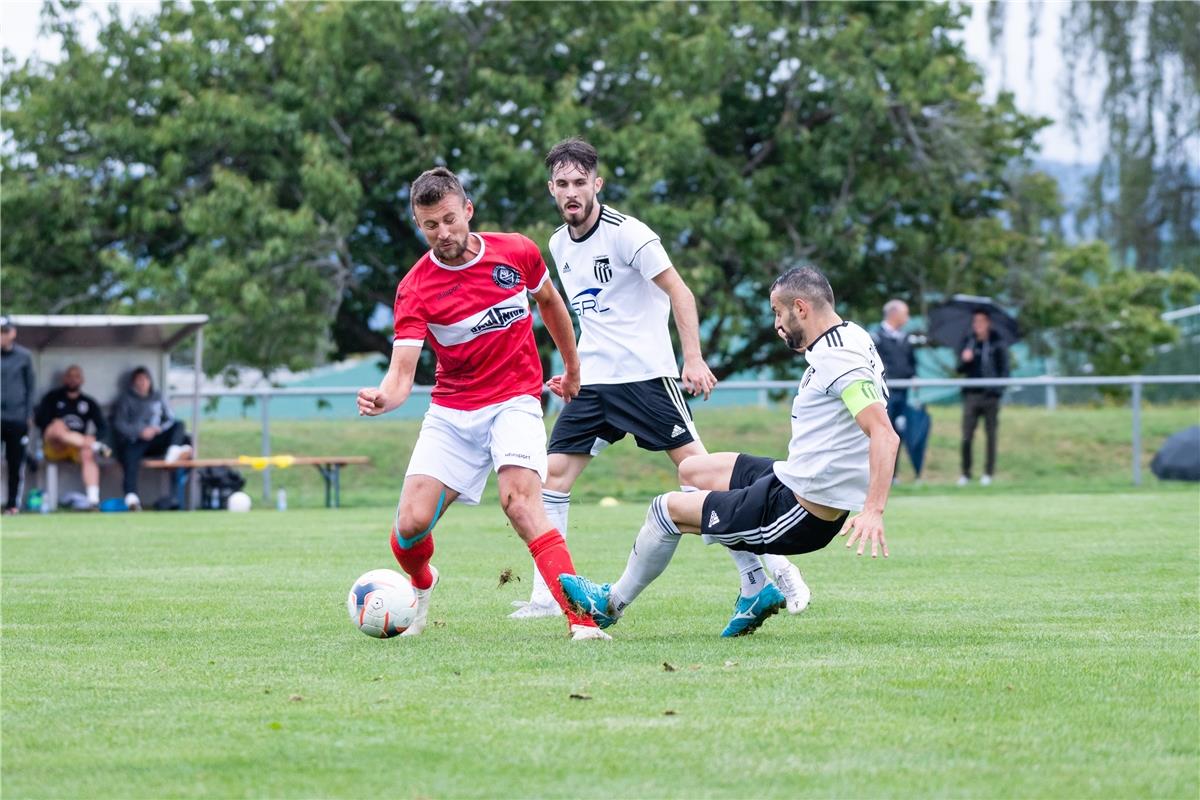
{"x":841,"y":458}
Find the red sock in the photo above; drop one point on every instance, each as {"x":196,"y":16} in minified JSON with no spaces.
{"x":552,"y":558}
{"x":415,"y":560}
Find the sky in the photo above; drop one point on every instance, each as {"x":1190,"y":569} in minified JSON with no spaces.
{"x":1006,"y":66}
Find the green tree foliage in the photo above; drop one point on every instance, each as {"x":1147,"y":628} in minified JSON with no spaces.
{"x":252,"y":160}
{"x":1144,"y":198}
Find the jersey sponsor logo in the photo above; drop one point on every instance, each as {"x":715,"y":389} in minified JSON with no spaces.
{"x":505,"y":276}
{"x":450,"y":291}
{"x":497,"y":318}
{"x":602,"y":268}
{"x":566,"y":268}
{"x":713,"y":519}
{"x":588,"y":301}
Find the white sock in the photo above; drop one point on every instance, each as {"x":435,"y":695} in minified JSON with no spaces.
{"x":93,"y":495}
{"x":750,"y":571}
{"x":775,"y":563}
{"x":558,"y":506}
{"x":652,"y":551}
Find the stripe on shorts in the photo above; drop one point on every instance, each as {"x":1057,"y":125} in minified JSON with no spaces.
{"x":767,"y":533}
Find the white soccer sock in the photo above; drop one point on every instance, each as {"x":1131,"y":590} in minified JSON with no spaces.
{"x":93,"y":495}
{"x":775,"y":563}
{"x":558,"y":506}
{"x":652,"y":551}
{"x":750,"y":571}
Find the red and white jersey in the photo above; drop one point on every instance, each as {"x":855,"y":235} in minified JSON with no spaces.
{"x":477,"y":319}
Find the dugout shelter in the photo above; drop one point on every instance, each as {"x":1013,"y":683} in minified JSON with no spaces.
{"x":108,"y":347}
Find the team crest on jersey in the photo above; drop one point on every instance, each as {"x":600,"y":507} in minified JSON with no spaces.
{"x":497,"y":318}
{"x":602,"y":268}
{"x":505,"y":276}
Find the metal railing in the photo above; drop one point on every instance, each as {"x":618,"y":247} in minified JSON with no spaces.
{"x":264,"y":395}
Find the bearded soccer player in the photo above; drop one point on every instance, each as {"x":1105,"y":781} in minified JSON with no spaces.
{"x":622,"y":286}
{"x":469,"y":297}
{"x":840,"y":459}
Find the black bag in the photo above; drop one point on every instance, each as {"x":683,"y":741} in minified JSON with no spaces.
{"x":216,"y":484}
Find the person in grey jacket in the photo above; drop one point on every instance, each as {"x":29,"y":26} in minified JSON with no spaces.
{"x":17,"y":382}
{"x":145,"y":427}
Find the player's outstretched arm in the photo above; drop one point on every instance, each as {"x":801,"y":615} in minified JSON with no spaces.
{"x":697,"y":377}
{"x":558,"y":322}
{"x":868,"y":526}
{"x":396,"y":385}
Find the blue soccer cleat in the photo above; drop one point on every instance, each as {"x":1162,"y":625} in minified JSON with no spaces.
{"x":588,"y":598}
{"x":750,"y":612}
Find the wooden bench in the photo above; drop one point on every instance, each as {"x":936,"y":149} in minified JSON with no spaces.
{"x":330,"y":468}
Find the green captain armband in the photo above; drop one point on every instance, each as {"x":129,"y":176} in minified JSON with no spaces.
{"x":859,"y":395}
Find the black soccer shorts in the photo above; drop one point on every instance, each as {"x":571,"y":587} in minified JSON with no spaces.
{"x":759,"y":514}
{"x":653,"y":411}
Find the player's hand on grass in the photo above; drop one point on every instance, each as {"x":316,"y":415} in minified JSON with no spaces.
{"x":371,"y":402}
{"x":698,"y":378}
{"x":867,"y":527}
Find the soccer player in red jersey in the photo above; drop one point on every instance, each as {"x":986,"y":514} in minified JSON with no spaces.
{"x":468,"y":296}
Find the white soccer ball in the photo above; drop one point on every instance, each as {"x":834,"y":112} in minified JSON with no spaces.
{"x":382,"y":603}
{"x":238,"y":501}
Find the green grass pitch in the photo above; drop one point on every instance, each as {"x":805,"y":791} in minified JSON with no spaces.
{"x":1014,"y":645}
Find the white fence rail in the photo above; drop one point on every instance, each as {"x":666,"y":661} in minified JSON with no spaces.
{"x":264,"y":395}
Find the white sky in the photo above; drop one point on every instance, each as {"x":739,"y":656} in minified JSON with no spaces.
{"x":1007,"y":67}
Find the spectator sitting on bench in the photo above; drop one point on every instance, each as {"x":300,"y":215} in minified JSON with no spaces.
{"x":145,"y":427}
{"x":63,"y":415}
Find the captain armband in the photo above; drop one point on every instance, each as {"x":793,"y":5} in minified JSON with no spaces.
{"x":859,"y":395}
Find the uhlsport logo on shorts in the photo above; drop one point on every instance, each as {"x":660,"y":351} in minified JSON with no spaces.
{"x":505,"y":276}
{"x":497,"y":318}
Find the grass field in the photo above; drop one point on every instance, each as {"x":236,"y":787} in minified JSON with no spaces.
{"x":1015,"y":645}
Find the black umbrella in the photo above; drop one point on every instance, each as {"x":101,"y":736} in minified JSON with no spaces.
{"x":950,"y":322}
{"x":1179,"y":458}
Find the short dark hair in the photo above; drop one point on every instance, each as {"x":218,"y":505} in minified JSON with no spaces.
{"x":434,"y":184}
{"x":807,"y":282}
{"x":573,"y":151}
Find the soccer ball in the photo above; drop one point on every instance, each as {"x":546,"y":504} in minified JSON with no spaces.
{"x":238,"y":501}
{"x":382,"y":603}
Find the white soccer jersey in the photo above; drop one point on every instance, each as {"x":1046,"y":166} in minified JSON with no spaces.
{"x":827,"y":457}
{"x":608,"y":276}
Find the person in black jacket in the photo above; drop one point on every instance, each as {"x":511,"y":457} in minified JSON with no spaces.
{"x":983,"y":356}
{"x":64,"y":416}
{"x":16,"y":408}
{"x":899,"y":363}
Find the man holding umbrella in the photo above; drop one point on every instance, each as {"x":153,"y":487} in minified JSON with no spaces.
{"x":983,"y":355}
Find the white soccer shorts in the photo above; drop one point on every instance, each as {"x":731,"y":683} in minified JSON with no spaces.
{"x":460,"y":448}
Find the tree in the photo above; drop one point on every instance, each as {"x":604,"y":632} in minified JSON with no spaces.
{"x":252,"y":160}
{"x":1144,"y":198}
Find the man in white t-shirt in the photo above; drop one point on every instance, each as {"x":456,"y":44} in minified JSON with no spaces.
{"x":621,"y":285}
{"x":841,"y":458}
